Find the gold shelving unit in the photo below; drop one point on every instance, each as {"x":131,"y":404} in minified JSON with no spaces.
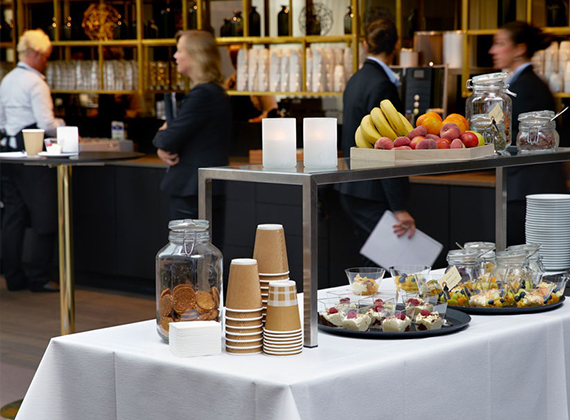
{"x":142,"y":45}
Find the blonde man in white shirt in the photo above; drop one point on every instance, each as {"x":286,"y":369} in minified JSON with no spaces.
{"x":28,"y":193}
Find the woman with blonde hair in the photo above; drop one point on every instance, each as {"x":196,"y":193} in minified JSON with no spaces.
{"x":200,"y":134}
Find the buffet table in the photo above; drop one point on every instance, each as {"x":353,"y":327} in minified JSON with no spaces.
{"x":499,"y":367}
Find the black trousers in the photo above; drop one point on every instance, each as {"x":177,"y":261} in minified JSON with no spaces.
{"x":29,"y":195}
{"x":187,"y":208}
{"x":364,"y":215}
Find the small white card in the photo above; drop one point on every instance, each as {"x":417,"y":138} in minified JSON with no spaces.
{"x":386,"y":249}
{"x":451,"y":278}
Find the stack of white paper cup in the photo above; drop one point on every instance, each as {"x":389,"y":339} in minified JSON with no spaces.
{"x":282,"y":335}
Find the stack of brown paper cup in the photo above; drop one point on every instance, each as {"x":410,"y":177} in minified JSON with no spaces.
{"x":270,"y":251}
{"x":282,"y":335}
{"x":243,"y":314}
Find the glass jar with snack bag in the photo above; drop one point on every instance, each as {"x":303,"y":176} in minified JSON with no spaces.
{"x":537,"y":133}
{"x":188,"y":276}
{"x":534,"y":259}
{"x":467,"y":263}
{"x":487,"y":260}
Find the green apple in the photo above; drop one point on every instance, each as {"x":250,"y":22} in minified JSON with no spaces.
{"x":479,"y":136}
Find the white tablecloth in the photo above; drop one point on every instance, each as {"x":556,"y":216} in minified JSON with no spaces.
{"x":500,"y":367}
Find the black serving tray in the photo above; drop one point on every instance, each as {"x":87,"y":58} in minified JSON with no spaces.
{"x":458,"y":320}
{"x":510,"y":310}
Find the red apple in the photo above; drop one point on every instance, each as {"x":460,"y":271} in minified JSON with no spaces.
{"x":402,"y":141}
{"x":469,"y":139}
{"x":415,"y":141}
{"x":442,"y":143}
{"x":457,"y":144}
{"x":450,"y":131}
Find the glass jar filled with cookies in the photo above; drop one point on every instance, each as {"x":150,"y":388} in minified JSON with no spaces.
{"x":188,"y":276}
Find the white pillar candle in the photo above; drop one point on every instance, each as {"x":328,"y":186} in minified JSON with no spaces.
{"x":320,"y":142}
{"x":68,"y":138}
{"x":279,"y":143}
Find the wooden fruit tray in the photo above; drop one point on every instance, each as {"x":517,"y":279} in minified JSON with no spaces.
{"x":371,"y":158}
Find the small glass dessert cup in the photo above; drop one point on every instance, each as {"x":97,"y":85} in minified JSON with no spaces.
{"x":414,"y":305}
{"x":556,"y":283}
{"x":330,"y":314}
{"x":428,"y":321}
{"x":357,"y":320}
{"x":343,"y":300}
{"x":406,"y":276}
{"x":52,"y":147}
{"x":397,"y":323}
{"x":377,"y":309}
{"x":365,"y":281}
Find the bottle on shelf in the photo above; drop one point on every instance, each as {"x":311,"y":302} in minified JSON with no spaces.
{"x":313,"y":24}
{"x":166,"y":27}
{"x":348,"y":21}
{"x":52,"y":28}
{"x":151,"y":30}
{"x":226,"y":28}
{"x":237,"y":24}
{"x":119,"y":29}
{"x":283,"y":22}
{"x":68,"y":29}
{"x":192,"y":15}
{"x":557,"y":12}
{"x":254,"y":22}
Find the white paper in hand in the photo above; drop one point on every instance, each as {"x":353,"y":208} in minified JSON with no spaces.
{"x":386,"y":249}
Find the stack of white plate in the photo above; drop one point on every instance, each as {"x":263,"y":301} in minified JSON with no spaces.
{"x":548,"y":224}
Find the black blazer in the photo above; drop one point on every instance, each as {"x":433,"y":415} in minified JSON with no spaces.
{"x":532,"y":95}
{"x":364,"y":91}
{"x":200,"y":134}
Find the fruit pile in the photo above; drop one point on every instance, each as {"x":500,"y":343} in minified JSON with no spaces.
{"x":385,"y":128}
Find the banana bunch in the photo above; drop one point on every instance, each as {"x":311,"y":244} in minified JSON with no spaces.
{"x":383,"y":121}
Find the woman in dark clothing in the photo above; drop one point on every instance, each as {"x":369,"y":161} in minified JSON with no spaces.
{"x":200,"y":134}
{"x":513,"y":47}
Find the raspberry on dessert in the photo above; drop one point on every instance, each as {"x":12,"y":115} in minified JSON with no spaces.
{"x":333,"y":311}
{"x":378,"y":308}
{"x":401,"y":315}
{"x":378,"y":302}
{"x":351,"y":315}
{"x":345,"y":300}
{"x":425,"y":312}
{"x":413,"y":302}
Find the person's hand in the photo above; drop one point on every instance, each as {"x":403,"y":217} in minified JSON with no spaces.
{"x":406,"y":223}
{"x":163,"y":126}
{"x":169,"y":158}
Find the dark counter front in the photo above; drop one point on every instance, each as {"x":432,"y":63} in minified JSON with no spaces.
{"x":121,"y":218}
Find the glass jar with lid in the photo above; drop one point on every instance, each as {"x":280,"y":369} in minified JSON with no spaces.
{"x":513,"y":270}
{"x":534,"y":259}
{"x":483,"y":124}
{"x":537,"y":133}
{"x":487,"y":261}
{"x":467,"y":263}
{"x":188,"y":276}
{"x":490,"y":97}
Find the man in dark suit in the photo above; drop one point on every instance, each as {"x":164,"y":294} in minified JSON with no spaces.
{"x":365,"y":202}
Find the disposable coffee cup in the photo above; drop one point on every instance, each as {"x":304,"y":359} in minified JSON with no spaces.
{"x":243,"y":343}
{"x":242,"y":323}
{"x":246,"y":336}
{"x":252,"y":314}
{"x":271,"y":277}
{"x":270,"y":249}
{"x":243,"y":285}
{"x":244,"y":330}
{"x":33,"y":140}
{"x":282,"y":318}
{"x":275,"y":353}
{"x":294,"y":347}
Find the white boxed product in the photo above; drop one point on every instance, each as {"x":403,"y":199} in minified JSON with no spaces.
{"x":242,"y":74}
{"x":285,"y":71}
{"x":295,"y":71}
{"x":309,"y":70}
{"x":195,"y":338}
{"x":275,"y":70}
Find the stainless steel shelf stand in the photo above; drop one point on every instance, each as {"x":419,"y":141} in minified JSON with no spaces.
{"x":347,"y":172}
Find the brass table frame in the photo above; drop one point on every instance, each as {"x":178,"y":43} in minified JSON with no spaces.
{"x":65,"y":220}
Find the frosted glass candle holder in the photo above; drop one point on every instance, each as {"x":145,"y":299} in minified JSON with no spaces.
{"x":320,"y":143}
{"x":68,"y":138}
{"x":279,"y":143}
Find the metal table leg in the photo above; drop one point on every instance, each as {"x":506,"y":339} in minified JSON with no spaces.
{"x":65,"y":226}
{"x":310,"y":261}
{"x":205,"y":199}
{"x":500,"y":209}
